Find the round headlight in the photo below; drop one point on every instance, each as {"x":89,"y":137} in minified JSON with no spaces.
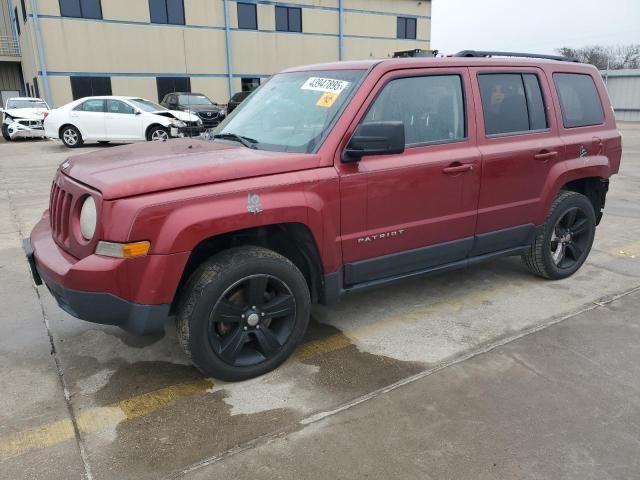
{"x":88,"y":218}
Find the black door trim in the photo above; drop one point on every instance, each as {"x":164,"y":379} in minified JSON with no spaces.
{"x":503,"y":239}
{"x":403,"y":262}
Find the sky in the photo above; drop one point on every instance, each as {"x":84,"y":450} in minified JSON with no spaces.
{"x":534,"y":26}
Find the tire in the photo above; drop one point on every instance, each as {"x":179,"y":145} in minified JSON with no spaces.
{"x":564,"y":241}
{"x":157,"y":133}
{"x":71,"y":136}
{"x":264,"y":302}
{"x":5,"y":133}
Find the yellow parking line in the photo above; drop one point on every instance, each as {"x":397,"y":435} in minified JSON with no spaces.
{"x":630,"y":250}
{"x":98,"y":419}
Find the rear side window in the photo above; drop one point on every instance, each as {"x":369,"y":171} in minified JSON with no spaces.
{"x":512,"y":103}
{"x":579,"y":100}
{"x":431,"y":108}
{"x":91,"y":106}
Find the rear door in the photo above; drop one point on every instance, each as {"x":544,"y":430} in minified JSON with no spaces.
{"x":89,"y":118}
{"x":412,"y":211}
{"x":519,"y":142}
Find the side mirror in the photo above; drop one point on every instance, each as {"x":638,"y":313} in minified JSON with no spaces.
{"x":137,"y":112}
{"x":375,"y":138}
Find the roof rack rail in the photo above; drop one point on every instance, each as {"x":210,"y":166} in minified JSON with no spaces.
{"x":483,"y":53}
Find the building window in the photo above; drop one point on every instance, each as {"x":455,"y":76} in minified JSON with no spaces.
{"x":288,"y":19}
{"x":167,"y":11}
{"x":24,"y":11}
{"x":406,"y":27}
{"x":511,"y":103}
{"x":15,"y":17}
{"x":81,"y":8}
{"x":172,"y":84}
{"x":90,"y":86}
{"x":247,"y":16}
{"x":36,"y":90}
{"x":249,"y":84}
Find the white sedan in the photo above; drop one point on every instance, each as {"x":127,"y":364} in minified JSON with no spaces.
{"x":117,"y":119}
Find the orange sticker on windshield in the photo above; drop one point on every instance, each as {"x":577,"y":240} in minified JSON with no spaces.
{"x":327,"y":100}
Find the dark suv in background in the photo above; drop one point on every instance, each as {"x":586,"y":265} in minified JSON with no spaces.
{"x":208,"y":111}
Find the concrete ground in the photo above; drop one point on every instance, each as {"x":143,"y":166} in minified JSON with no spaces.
{"x":483,"y":373}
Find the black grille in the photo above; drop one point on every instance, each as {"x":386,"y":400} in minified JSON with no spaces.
{"x":59,"y":211}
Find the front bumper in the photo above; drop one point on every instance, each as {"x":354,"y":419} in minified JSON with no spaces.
{"x":194,"y":131}
{"x":17,"y":130}
{"x":47,"y":261}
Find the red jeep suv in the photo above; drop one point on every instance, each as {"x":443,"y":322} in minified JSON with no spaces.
{"x":330,"y":179}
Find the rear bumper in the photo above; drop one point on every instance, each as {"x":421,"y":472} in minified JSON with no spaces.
{"x":60,"y":273}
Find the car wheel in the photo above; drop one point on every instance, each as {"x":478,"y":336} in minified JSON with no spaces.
{"x":71,"y":136}
{"x":565,"y":239}
{"x":5,"y":133}
{"x":158,"y":134}
{"x":243,"y":313}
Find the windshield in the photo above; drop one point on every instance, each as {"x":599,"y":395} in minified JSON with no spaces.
{"x":146,"y":105}
{"x":194,"y":100}
{"x":26,"y":103}
{"x":292,"y":111}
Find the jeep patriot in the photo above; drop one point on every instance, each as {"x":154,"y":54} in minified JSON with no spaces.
{"x":330,"y":179}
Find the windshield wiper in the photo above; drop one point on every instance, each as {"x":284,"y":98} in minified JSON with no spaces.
{"x":246,"y":141}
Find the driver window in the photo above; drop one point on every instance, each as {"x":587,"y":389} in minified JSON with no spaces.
{"x":116,"y":106}
{"x":431,"y":108}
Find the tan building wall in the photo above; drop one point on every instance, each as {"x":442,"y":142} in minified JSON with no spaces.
{"x":125,"y":46}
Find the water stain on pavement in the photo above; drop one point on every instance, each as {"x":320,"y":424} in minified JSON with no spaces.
{"x":201,"y":418}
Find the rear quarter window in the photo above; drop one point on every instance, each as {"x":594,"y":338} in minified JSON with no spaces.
{"x":579,"y":100}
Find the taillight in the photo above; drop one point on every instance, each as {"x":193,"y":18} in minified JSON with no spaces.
{"x":44,"y":115}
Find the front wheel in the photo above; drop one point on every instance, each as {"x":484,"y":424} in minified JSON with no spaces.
{"x":158,"y":134}
{"x":565,"y":240}
{"x":243,"y":312}
{"x":5,"y":133}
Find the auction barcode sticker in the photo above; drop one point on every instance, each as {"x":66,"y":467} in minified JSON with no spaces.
{"x":329,"y":85}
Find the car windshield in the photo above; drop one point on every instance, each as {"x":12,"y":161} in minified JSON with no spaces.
{"x":26,"y":103}
{"x":194,"y":100}
{"x":292,"y":112}
{"x":146,"y":105}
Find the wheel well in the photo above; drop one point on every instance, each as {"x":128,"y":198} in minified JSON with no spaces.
{"x":594,"y":188}
{"x":63,"y":127}
{"x":291,"y":240}
{"x":146,"y":133}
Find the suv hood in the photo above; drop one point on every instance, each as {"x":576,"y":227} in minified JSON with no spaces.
{"x":26,"y":113}
{"x":152,"y":167}
{"x":201,"y":108}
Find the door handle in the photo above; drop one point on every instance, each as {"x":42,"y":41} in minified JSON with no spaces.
{"x":457,"y":168}
{"x":545,"y":155}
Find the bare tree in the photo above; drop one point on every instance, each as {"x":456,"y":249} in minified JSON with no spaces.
{"x":614,"y":58}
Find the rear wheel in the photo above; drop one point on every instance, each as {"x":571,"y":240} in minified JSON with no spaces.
{"x":71,"y":136}
{"x":565,"y":240}
{"x":243,"y":313}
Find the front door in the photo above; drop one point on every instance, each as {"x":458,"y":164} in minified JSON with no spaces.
{"x":519,"y":142}
{"x":122,"y":122}
{"x":413,"y":211}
